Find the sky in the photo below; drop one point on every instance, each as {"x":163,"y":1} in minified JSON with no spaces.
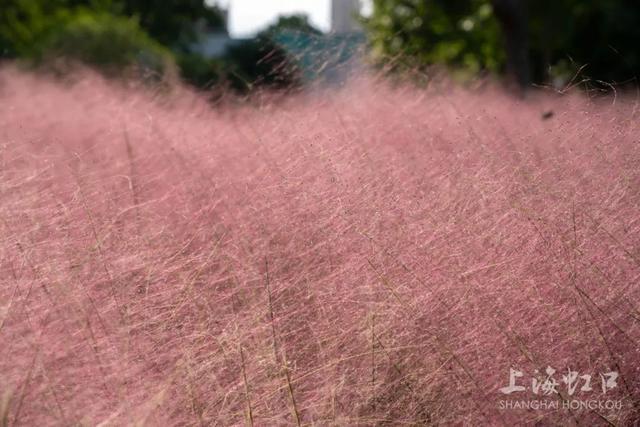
{"x":247,"y":17}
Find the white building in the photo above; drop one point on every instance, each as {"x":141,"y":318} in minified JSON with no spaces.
{"x":344,"y":16}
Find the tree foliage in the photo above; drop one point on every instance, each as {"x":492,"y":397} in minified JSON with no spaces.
{"x":598,"y":37}
{"x":171,"y":22}
{"x":264,"y":61}
{"x":260,"y":62}
{"x":110,"y":43}
{"x":457,"y":33}
{"x":117,"y":35}
{"x":296,"y":22}
{"x":52,"y":33}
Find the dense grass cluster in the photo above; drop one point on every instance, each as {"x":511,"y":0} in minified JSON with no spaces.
{"x":373,"y":255}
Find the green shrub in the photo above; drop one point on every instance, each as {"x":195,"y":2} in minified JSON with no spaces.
{"x":112,"y":44}
{"x":459,"y":34}
{"x":592,"y":40}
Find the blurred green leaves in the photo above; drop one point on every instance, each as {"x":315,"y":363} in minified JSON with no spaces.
{"x":459,"y":34}
{"x":55,"y":34}
{"x":598,"y":39}
{"x":118,"y":36}
{"x":113,"y":44}
{"x":595,"y":41}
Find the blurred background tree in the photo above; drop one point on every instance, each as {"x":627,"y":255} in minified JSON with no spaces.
{"x":110,"y":35}
{"x":539,"y":41}
{"x":115,"y":36}
{"x":461,"y":34}
{"x":297,"y":22}
{"x":260,"y":62}
{"x":115,"y":45}
{"x":530,"y":41}
{"x":263,"y":61}
{"x":171,"y":22}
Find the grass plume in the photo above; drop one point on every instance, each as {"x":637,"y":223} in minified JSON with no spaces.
{"x":406,"y":246}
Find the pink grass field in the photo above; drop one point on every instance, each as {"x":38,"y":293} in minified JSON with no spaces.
{"x":373,"y":255}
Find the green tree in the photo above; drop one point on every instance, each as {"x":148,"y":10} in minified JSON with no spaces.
{"x":262,"y":61}
{"x":112,"y":44}
{"x":538,"y":40}
{"x":115,"y":36}
{"x":22,"y":23}
{"x":296,"y":22}
{"x":460,"y":34}
{"x":48,"y":32}
{"x":170,"y":22}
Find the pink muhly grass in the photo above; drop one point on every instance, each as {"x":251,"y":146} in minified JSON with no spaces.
{"x":374,"y":255}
